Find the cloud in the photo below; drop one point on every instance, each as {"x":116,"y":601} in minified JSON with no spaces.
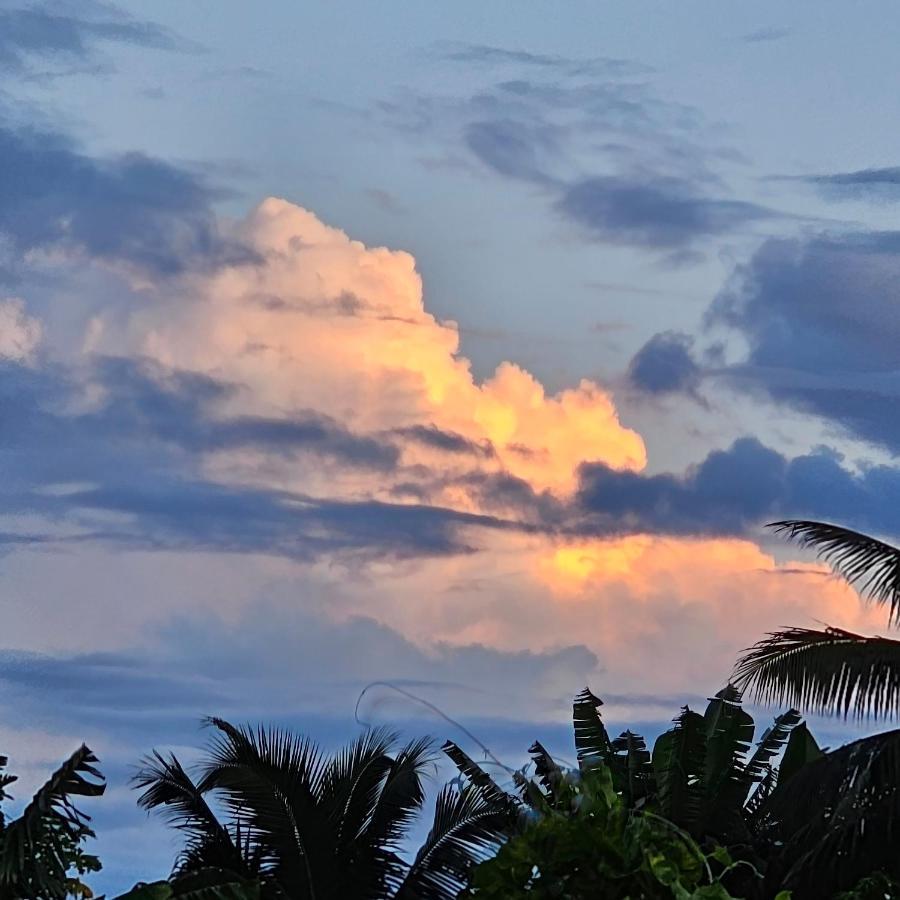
{"x":514,"y":149}
{"x":58,"y":31}
{"x":20,"y":334}
{"x":820,"y":316}
{"x":501,"y":56}
{"x":131,"y":209}
{"x":274,"y":666}
{"x":323,"y":324}
{"x":861,"y":184}
{"x":665,"y":364}
{"x":133,"y":472}
{"x":604,"y":149}
{"x":734,"y":491}
{"x":767,"y":34}
{"x":660,"y":214}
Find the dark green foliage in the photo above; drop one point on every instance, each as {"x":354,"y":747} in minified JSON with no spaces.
{"x":801,"y":749}
{"x":632,"y":767}
{"x":465,"y":832}
{"x":593,"y":846}
{"x":41,"y":855}
{"x":679,"y":757}
{"x":873,"y":887}
{"x":708,"y":782}
{"x":836,"y":813}
{"x":592,"y":744}
{"x":773,"y":741}
{"x":208,"y":884}
{"x":838,"y":816}
{"x":269,"y":813}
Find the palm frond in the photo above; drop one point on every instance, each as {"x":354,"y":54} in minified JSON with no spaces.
{"x":273,"y":781}
{"x":840,"y":816}
{"x":631,"y":767}
{"x":729,"y":733}
{"x":467,"y":829}
{"x":679,"y":758}
{"x":36,"y":845}
{"x":592,"y":744}
{"x":376,"y":855}
{"x":828,"y":670}
{"x":754,"y":810}
{"x":167,"y":787}
{"x":474,"y":773}
{"x":870,"y":565}
{"x":547,"y":772}
{"x":353,"y":780}
{"x":402,"y":795}
{"x":769,"y":746}
{"x":801,"y":750}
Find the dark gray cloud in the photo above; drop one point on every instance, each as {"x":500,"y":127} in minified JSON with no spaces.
{"x":151,"y":403}
{"x":654,"y":180}
{"x":51,"y":33}
{"x":660,"y":214}
{"x":448,"y":441}
{"x":821,"y":317}
{"x":734,"y":491}
{"x":139,"y":456}
{"x":879,"y":184}
{"x":514,"y":149}
{"x":132,"y":209}
{"x":665,"y":364}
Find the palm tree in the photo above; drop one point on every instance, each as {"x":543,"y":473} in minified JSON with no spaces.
{"x":41,"y":855}
{"x":845,"y":806}
{"x":812,"y":822}
{"x":270,"y":814}
{"x":831,"y":670}
{"x":701,"y":774}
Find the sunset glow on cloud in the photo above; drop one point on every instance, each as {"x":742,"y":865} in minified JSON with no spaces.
{"x":323,"y":323}
{"x":461,"y":359}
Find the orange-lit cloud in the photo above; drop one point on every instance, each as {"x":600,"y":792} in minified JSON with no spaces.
{"x":662,"y":614}
{"x":325,"y":323}
{"x":322,"y":322}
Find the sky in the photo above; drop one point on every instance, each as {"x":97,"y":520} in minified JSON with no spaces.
{"x":465,"y":348}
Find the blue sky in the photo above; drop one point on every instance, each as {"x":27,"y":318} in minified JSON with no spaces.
{"x":550,"y":310}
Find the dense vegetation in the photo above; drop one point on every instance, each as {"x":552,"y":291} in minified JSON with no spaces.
{"x":702,"y":815}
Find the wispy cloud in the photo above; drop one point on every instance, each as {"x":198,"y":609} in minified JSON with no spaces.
{"x":601,"y":147}
{"x":36,"y":37}
{"x":767,"y":34}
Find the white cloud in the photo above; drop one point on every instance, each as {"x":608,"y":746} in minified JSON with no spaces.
{"x":20,"y":334}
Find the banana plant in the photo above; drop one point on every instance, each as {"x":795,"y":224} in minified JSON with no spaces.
{"x":41,"y":851}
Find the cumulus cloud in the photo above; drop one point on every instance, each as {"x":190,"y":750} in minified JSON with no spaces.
{"x":665,"y":364}
{"x":733,"y":491}
{"x":322,"y":323}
